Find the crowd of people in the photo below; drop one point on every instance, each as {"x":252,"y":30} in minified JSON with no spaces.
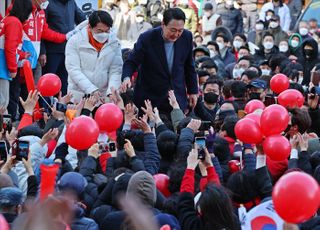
{"x":182,"y":72}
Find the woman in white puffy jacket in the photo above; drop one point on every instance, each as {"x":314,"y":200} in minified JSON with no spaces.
{"x":93,"y":58}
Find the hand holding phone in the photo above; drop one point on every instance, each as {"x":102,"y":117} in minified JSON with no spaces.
{"x":3,"y":151}
{"x":201,"y":143}
{"x":20,"y":149}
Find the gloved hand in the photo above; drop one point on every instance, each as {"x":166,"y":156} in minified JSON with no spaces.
{"x":210,"y":140}
{"x":61,"y":152}
{"x":71,"y":33}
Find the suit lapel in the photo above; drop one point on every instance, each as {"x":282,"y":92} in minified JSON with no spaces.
{"x":158,"y":45}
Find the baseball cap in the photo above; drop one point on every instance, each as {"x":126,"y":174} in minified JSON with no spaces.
{"x":208,"y":6}
{"x":258,"y":83}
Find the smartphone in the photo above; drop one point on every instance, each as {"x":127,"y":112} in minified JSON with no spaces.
{"x":61,"y":107}
{"x":201,"y":142}
{"x":7,"y":122}
{"x":269,"y":100}
{"x":3,"y":151}
{"x":20,"y":149}
{"x":112,"y":146}
{"x":86,"y":96}
{"x":315,"y":77}
{"x":205,"y":125}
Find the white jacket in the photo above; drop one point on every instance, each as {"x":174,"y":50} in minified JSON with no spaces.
{"x":284,"y":14}
{"x":90,"y":70}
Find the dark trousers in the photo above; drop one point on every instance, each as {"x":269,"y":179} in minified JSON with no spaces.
{"x":17,"y":89}
{"x":55,"y":64}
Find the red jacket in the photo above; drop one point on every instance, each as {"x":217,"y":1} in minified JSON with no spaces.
{"x":10,"y":42}
{"x":35,"y":29}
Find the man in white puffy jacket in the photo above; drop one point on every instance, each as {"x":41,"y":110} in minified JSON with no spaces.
{"x":93,"y":58}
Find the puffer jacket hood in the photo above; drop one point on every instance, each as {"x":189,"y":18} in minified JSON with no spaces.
{"x":314,"y":45}
{"x":143,"y":186}
{"x":300,"y":41}
{"x":120,"y":186}
{"x":221,"y":30}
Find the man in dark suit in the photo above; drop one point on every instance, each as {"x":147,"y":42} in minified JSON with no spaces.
{"x":163,"y":57}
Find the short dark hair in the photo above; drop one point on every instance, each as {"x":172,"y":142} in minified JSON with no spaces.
{"x":313,"y":20}
{"x":173,"y":14}
{"x":202,"y":73}
{"x":224,"y":37}
{"x":228,"y":125}
{"x":242,"y":36}
{"x":21,"y":9}
{"x":247,"y":58}
{"x":226,"y":90}
{"x":244,"y":48}
{"x":238,"y":89}
{"x":300,"y":118}
{"x":267,"y":34}
{"x":251,"y":74}
{"x":212,"y":82}
{"x":278,"y":60}
{"x":100,"y":16}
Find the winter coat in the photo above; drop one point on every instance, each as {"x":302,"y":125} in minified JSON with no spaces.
{"x":191,"y":19}
{"x":81,"y":222}
{"x":136,"y":29}
{"x":284,"y":14}
{"x":10,"y":44}
{"x":62,"y":16}
{"x":232,"y":19}
{"x":315,"y":118}
{"x":279,"y":35}
{"x":90,"y":70}
{"x":154,"y":78}
{"x":309,"y":62}
{"x":261,"y":55}
{"x":149,"y":160}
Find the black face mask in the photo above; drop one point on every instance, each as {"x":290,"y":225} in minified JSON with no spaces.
{"x":308,"y":52}
{"x":254,"y":96}
{"x":210,"y":98}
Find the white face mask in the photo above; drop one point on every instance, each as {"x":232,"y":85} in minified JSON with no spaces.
{"x":268,"y":45}
{"x":143,"y":2}
{"x":265,"y":72}
{"x":268,"y":17}
{"x":139,"y":19}
{"x":237,"y":44}
{"x":221,"y":45}
{"x":294,"y":43}
{"x":207,"y":14}
{"x":212,"y":53}
{"x":237,"y":72}
{"x":259,"y":26}
{"x":273,"y":25}
{"x":44,"y":5}
{"x":283,"y":48}
{"x":300,"y":80}
{"x":303,"y":31}
{"x":101,"y":37}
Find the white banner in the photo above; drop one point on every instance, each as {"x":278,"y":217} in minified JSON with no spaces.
{"x":87,"y":5}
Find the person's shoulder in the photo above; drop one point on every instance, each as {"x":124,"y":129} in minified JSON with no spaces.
{"x":12,"y":21}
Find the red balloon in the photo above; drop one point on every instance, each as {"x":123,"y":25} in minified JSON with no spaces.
{"x":274,"y":120}
{"x":291,"y":98}
{"x":277,"y":147}
{"x":253,"y":105}
{"x":279,"y":83}
{"x":3,"y":223}
{"x":296,"y":197}
{"x":82,"y":133}
{"x":162,"y":183}
{"x":248,"y":131}
{"x":49,"y":85}
{"x":255,"y":117}
{"x":109,"y":117}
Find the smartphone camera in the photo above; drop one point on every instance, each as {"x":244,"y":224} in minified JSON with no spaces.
{"x":61,"y":107}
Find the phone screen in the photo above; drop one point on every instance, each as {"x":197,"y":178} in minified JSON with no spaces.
{"x":201,"y":142}
{"x":112,"y":146}
{"x":23,"y":150}
{"x":61,"y":107}
{"x":7,"y":122}
{"x":3,"y":151}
